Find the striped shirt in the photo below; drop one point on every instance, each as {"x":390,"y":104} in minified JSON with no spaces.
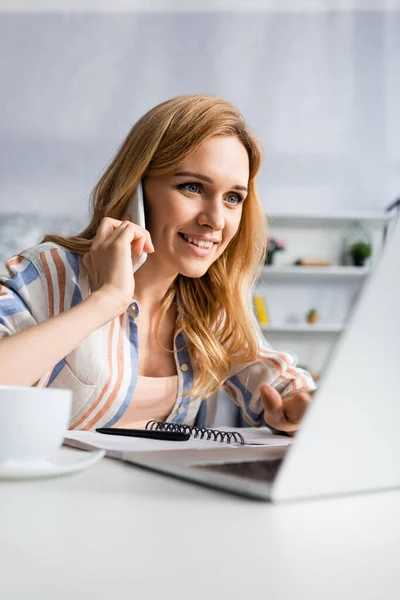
{"x":102,"y":371}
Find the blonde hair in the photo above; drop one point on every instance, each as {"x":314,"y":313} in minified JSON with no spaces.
{"x":215,"y":310}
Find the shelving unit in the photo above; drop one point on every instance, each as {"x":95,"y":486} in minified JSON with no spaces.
{"x":330,"y":219}
{"x":291,"y":290}
{"x":303,"y":329}
{"x":314,"y":273}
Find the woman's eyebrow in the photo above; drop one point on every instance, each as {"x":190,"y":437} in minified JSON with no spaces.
{"x":205,"y":178}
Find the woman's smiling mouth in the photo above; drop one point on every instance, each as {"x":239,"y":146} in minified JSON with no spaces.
{"x":199,"y":247}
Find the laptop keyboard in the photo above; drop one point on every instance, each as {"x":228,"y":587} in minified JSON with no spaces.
{"x":256,"y":470}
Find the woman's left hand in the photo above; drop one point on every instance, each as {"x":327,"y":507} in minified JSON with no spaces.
{"x":284,"y":413}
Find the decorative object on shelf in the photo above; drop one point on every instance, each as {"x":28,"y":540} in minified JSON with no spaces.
{"x":360,"y":252}
{"x":357,"y":245}
{"x":261,"y":310}
{"x":273,"y":246}
{"x":313,"y":262}
{"x":312,"y":316}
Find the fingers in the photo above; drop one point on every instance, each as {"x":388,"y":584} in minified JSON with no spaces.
{"x":296,"y":404}
{"x":138,"y":237}
{"x":111,"y":229}
{"x":105,"y":229}
{"x":284,"y":413}
{"x":112,"y":237}
{"x":273,"y":405}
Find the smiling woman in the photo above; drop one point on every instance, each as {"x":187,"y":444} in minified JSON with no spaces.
{"x":196,"y":210}
{"x":162,"y":342}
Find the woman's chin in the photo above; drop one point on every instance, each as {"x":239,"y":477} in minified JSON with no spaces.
{"x":193,"y":274}
{"x":194,"y":270}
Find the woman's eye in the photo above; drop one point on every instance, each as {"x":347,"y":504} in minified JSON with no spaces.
{"x":193,"y":188}
{"x":236,"y":199}
{"x":196,"y":188}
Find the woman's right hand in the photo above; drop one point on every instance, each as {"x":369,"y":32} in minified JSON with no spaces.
{"x":109,"y":260}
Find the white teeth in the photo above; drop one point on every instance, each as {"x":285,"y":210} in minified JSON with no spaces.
{"x":199,"y":243}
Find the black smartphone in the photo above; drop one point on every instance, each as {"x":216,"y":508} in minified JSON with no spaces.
{"x":155,"y":434}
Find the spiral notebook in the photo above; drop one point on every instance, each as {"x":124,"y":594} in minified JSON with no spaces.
{"x":200,"y":433}
{"x":201,"y":438}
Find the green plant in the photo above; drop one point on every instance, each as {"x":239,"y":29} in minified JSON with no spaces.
{"x":361,"y":250}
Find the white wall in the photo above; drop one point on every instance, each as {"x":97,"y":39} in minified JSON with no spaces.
{"x":321,"y":90}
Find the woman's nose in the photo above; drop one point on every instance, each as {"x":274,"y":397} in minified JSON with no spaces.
{"x":213,"y":215}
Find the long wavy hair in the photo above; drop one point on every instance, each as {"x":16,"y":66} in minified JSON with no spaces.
{"x":215,"y":311}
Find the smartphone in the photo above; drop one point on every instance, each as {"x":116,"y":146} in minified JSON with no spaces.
{"x":135,"y":210}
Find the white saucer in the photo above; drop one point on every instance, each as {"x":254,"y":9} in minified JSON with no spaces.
{"x":63,"y":462}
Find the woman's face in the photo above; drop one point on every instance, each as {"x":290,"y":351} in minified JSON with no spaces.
{"x":193,"y":213}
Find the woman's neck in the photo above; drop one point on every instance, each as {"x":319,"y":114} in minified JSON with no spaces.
{"x":150,"y":289}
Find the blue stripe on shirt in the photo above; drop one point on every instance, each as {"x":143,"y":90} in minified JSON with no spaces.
{"x":201,"y":417}
{"x":247,"y":395}
{"x":23,"y":278}
{"x":12,"y":306}
{"x":73,"y":260}
{"x":76,"y":296}
{"x":56,"y":371}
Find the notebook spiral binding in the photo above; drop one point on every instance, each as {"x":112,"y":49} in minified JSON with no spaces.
{"x":202,"y":433}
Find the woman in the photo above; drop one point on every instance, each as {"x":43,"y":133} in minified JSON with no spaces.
{"x":161,"y":343}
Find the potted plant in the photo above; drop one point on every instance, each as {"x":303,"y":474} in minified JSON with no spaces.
{"x":359,"y":253}
{"x":312,"y":316}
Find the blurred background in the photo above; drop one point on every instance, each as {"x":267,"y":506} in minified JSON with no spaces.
{"x":319,"y":83}
{"x":320,"y":88}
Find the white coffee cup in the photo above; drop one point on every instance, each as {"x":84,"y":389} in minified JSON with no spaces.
{"x":33,"y":422}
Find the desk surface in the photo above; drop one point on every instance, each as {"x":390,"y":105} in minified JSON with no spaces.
{"x":117,"y":531}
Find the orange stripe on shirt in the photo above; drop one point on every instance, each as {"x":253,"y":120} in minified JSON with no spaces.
{"x":61,"y":276}
{"x":282,"y":355}
{"x":46,"y":381}
{"x":120,"y":376}
{"x":14,"y":261}
{"x":276,"y":363}
{"x":106,"y":385}
{"x":48,"y":378}
{"x":299,"y":377}
{"x":49,"y":283}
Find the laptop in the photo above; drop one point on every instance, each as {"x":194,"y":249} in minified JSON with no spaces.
{"x":349,"y":440}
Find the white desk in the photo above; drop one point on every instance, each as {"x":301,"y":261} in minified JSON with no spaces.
{"x":117,"y":532}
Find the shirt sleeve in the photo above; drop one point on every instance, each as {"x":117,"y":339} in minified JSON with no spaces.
{"x":23,"y":300}
{"x":277,"y":369}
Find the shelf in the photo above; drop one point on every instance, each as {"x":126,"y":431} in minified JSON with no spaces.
{"x":303,"y":328}
{"x":296,"y":272}
{"x":328,"y":219}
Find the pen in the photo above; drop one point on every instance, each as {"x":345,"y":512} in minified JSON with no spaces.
{"x":155,"y":434}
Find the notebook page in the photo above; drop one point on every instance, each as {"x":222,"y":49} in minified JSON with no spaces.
{"x":116,"y":445}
